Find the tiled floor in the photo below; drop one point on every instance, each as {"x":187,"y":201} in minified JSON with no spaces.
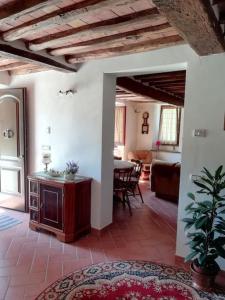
{"x":30,"y":261}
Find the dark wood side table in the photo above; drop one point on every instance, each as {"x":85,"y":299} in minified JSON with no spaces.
{"x":60,"y":206}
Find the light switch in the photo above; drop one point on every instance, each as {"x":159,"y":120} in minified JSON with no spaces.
{"x":46,"y":148}
{"x":200,"y":132}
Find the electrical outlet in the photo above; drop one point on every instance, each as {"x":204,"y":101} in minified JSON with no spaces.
{"x":199,"y":132}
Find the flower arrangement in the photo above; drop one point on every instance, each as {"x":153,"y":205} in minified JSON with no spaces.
{"x":71,"y":167}
{"x":158,"y":143}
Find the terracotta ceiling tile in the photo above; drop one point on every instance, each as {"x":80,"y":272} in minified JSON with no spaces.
{"x":120,"y":11}
{"x":50,"y":9}
{"x":90,"y":19}
{"x":107,"y":14}
{"x":77,"y":23}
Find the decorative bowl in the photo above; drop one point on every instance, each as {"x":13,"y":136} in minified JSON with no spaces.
{"x":54,"y":173}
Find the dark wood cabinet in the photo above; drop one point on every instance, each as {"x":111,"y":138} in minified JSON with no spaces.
{"x":60,"y":206}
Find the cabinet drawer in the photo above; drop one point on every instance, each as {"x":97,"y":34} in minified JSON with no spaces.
{"x":34,"y":215}
{"x":34,"y":201}
{"x":33,"y":187}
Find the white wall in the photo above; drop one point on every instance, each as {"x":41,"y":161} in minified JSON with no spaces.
{"x":82,"y":126}
{"x":204,"y":108}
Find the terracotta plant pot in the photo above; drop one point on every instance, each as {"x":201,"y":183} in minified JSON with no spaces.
{"x":203,"y":279}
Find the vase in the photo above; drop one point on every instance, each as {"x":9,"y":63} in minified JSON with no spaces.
{"x":69,"y":176}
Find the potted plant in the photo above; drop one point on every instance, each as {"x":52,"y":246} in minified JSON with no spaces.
{"x":205,"y":227}
{"x":71,"y":170}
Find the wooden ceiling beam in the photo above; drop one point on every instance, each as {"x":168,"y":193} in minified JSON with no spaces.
{"x":62,"y":16}
{"x":17,"y":50}
{"x":172,"y":74}
{"x":15,"y":10}
{"x":196,"y":23}
{"x":121,"y":37}
{"x":218,"y":2}
{"x":140,"y":89}
{"x":11,"y":66}
{"x":125,"y":49}
{"x":101,"y":27}
{"x":162,"y":80}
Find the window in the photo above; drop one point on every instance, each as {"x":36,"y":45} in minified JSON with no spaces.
{"x":169,"y":126}
{"x":120,"y":125}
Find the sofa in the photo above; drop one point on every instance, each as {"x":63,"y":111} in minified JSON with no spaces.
{"x":145,"y":156}
{"x":165,"y":180}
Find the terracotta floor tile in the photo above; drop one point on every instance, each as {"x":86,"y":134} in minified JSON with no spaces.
{"x":15,"y":293}
{"x":4,"y":283}
{"x":30,"y":261}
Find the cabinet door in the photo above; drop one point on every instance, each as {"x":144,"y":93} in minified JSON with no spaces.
{"x":51,"y":206}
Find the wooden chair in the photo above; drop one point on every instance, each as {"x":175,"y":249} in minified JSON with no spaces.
{"x":120,"y":185}
{"x":117,"y":158}
{"x":134,"y":188}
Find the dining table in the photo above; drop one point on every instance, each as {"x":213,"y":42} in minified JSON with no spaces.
{"x":123,"y":164}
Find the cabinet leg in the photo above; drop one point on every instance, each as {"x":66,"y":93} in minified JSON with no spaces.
{"x":33,"y":227}
{"x":65,"y":238}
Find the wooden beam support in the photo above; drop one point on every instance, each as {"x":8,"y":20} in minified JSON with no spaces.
{"x":17,"y":50}
{"x":125,"y":49}
{"x":60,"y":38}
{"x":15,"y":10}
{"x":62,"y":16}
{"x":145,"y":91}
{"x":218,"y":2}
{"x":165,"y":75}
{"x":222,"y":17}
{"x":163,"y":80}
{"x":196,"y":23}
{"x":121,"y":37}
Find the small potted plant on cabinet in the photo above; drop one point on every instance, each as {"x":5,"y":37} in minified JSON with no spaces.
{"x":71,"y":170}
{"x":205,"y":227}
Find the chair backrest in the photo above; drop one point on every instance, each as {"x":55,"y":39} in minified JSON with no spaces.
{"x":117,"y":158}
{"x":122,"y":177}
{"x":137,"y":168}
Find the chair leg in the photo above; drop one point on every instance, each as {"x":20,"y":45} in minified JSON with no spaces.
{"x":139,"y":190}
{"x":128,"y":203}
{"x":123,"y":200}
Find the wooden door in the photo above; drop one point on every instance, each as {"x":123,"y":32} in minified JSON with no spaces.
{"x":51,"y":206}
{"x":12,"y":149}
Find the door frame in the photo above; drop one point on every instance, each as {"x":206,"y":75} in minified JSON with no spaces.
{"x":25,"y":140}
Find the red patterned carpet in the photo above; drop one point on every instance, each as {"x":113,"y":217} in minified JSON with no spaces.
{"x":127,"y":280}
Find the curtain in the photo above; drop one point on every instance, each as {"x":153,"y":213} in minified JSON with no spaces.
{"x":120,"y":125}
{"x":169,"y":125}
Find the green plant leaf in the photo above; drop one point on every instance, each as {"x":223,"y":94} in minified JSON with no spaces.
{"x":189,"y":206}
{"x":218,"y":172}
{"x":188,"y":220}
{"x":219,"y":241}
{"x":207,"y":203}
{"x":202,"y":259}
{"x":201,"y":221}
{"x":221,"y":251}
{"x":191,"y":196}
{"x":191,"y":256}
{"x":207,"y":173}
{"x":202,"y":185}
{"x":188,"y":226}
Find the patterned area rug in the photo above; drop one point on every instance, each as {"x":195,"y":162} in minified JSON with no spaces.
{"x":127,"y":280}
{"x":8,"y":222}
